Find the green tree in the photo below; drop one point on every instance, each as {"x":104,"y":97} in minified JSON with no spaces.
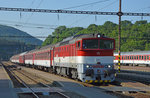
{"x":134,"y":36}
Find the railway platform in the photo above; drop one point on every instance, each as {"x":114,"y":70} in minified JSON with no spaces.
{"x":6,"y":85}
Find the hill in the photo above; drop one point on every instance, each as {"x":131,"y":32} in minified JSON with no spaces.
{"x":13,"y":34}
{"x":14,"y":41}
{"x":134,"y":36}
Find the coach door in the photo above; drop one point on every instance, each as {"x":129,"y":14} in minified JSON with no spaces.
{"x":33,"y":55}
{"x":71,"y":52}
{"x":53,"y":54}
{"x":23,"y":58}
{"x":50,"y":58}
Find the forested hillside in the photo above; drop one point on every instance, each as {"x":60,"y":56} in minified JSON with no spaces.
{"x":14,"y":41}
{"x":9,"y":48}
{"x":134,"y":37}
{"x":13,"y":34}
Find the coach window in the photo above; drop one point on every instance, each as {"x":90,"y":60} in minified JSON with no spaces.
{"x":137,"y":57}
{"x":78,"y":44}
{"x":147,"y":57}
{"x":142,"y":57}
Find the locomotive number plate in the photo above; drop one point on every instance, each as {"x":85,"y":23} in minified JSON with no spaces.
{"x":98,"y":66}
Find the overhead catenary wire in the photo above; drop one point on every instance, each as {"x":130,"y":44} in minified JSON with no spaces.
{"x":38,"y":27}
{"x":137,"y":38}
{"x":108,"y":5}
{"x":83,"y":18}
{"x":31,"y":3}
{"x":31,"y":24}
{"x":32,"y":12}
{"x":72,"y":12}
{"x":87,"y":4}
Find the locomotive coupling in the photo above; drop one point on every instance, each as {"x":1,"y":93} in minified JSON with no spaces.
{"x":89,"y":72}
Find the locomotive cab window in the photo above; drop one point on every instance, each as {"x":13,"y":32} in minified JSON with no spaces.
{"x":78,"y":44}
{"x":106,"y":44}
{"x":90,"y":44}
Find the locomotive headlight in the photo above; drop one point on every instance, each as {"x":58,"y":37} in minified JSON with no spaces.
{"x":109,"y":66}
{"x":98,"y":35}
{"x":88,"y":66}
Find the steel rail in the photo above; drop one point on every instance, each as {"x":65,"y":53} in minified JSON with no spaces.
{"x":24,"y":84}
{"x":44,"y":85}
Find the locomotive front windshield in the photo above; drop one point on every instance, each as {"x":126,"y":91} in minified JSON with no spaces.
{"x":98,"y":44}
{"x":90,"y":44}
{"x":106,"y":44}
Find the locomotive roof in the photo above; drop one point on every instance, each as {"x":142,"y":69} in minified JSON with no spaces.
{"x":134,"y":53}
{"x":73,"y":39}
{"x":66,"y":41}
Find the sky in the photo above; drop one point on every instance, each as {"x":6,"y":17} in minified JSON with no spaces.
{"x":43,"y":24}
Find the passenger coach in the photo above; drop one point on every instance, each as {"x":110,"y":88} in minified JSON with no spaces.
{"x":133,"y":58}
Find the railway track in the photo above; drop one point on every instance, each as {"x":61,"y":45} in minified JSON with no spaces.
{"x":38,"y":80}
{"x":113,"y":88}
{"x":24,"y":78}
{"x":22,"y":82}
{"x":139,"y":76}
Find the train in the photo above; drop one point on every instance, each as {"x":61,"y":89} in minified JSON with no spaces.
{"x":134,"y":58}
{"x":86,"y":57}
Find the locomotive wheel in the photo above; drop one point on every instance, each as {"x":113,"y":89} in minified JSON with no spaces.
{"x":74,"y":73}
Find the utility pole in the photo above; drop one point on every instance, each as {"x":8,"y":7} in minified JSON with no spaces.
{"x":119,"y":35}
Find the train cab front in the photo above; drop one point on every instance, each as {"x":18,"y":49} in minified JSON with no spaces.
{"x":99,"y":73}
{"x":96,"y":57}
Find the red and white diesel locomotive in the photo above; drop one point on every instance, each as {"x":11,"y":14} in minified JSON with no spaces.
{"x":87,"y":57}
{"x":133,"y":58}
